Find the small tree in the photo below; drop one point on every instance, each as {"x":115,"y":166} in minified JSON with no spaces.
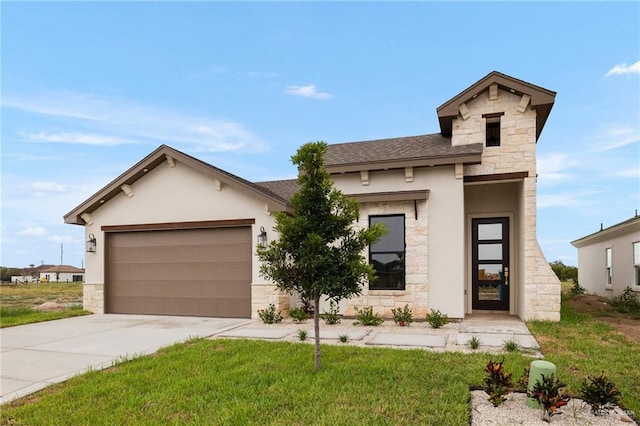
{"x":318,"y":252}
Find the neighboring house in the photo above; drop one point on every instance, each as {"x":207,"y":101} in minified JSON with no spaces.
{"x":30,"y":274}
{"x":62,"y":273}
{"x":609,"y":260}
{"x":177,"y":236}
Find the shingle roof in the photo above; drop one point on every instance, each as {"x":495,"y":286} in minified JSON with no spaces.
{"x":397,"y":149}
{"x":63,"y":268}
{"x":282,"y":188}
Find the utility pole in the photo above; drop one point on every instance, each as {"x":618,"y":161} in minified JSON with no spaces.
{"x":61,"y":254}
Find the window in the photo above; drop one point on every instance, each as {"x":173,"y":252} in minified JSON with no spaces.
{"x":608,"y":254}
{"x":636,"y":264}
{"x":388,"y":254}
{"x":493,"y":131}
{"x":77,"y":278}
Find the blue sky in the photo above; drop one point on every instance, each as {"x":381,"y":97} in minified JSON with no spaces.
{"x":89,"y":89}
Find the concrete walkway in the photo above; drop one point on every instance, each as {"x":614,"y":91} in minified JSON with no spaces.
{"x":491,"y":331}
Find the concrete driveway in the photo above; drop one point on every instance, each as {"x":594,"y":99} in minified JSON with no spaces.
{"x":35,"y":356}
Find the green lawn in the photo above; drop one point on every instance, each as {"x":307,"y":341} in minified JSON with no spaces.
{"x":18,"y":302}
{"x":274,"y":383}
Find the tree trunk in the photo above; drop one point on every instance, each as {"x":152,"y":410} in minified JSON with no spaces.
{"x":316,"y":329}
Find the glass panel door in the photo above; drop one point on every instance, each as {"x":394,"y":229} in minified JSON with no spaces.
{"x":490,"y":263}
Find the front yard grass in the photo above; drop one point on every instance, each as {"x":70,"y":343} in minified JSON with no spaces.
{"x":274,"y":383}
{"x":18,"y":302}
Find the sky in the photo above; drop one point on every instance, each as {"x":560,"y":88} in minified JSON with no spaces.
{"x":89,"y":89}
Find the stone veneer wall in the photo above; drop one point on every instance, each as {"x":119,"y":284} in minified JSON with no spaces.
{"x":93,"y":298}
{"x":516,"y":153}
{"x":416,"y":291}
{"x":262,"y":295}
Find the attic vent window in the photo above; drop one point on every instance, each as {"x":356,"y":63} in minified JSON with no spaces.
{"x":493,"y":128}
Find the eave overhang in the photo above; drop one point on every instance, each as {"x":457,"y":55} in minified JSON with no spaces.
{"x":615,"y":231}
{"x":541,"y":99}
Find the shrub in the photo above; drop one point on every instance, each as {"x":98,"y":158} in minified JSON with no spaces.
{"x":298,"y":314}
{"x":523,"y":381}
{"x":497,"y":384}
{"x":474,"y":342}
{"x":331,"y":317}
{"x":343,"y":338}
{"x":511,"y":345}
{"x":600,"y":393}
{"x":577,"y":289}
{"x":269,"y":315}
{"x":367,"y":317}
{"x":437,"y":319}
{"x":307,"y":306}
{"x":627,"y":302}
{"x":402,"y":316}
{"x":546,"y":392}
{"x":302,"y":334}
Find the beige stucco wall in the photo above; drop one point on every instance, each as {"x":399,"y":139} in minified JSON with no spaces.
{"x":434,"y":241}
{"x":592,"y":262}
{"x":175,"y":194}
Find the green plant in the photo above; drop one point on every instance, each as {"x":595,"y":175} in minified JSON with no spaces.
{"x":474,"y":342}
{"x":600,"y":393}
{"x":577,"y":289}
{"x":402,"y":316}
{"x":523,"y":382}
{"x":269,"y":315}
{"x":511,"y":345}
{"x":343,"y":338}
{"x":547,"y":392}
{"x":302,"y":334}
{"x":437,"y":319}
{"x":307,"y":306}
{"x":627,"y":302}
{"x":298,"y":315}
{"x":333,"y":316}
{"x":367,"y":317}
{"x":496,"y":384}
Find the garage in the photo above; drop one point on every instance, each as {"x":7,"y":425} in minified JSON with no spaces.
{"x":195,"y":272}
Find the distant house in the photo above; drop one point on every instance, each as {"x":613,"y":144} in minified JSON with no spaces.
{"x":62,"y":273}
{"x":174,"y":235}
{"x":30,"y":274}
{"x":609,"y":260}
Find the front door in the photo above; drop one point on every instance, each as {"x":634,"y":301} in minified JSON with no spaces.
{"x":490,"y":264}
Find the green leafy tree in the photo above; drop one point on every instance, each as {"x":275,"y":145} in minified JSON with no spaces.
{"x":318,"y":252}
{"x":564,"y":272}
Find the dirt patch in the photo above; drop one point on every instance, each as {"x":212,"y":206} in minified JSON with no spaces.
{"x":600,"y":308}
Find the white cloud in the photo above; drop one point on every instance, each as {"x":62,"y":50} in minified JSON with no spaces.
{"x":565,"y":199}
{"x":616,"y":137}
{"x":309,"y":91}
{"x":76,"y":138}
{"x":553,"y":168}
{"x":37,"y":231}
{"x":623,"y":68}
{"x":47,"y":186}
{"x":60,"y":239}
{"x":133,"y":121}
{"x":633,"y":173}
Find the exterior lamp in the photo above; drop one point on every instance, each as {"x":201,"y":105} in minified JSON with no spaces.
{"x":91,"y":244}
{"x":262,"y":238}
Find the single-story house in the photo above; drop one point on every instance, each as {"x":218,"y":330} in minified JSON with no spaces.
{"x":62,"y":273}
{"x":609,"y":260}
{"x":175,"y":235}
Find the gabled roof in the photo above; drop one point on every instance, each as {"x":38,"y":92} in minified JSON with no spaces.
{"x":283,"y":188}
{"x":541,"y":99}
{"x":160,"y":155}
{"x":409,"y":151}
{"x":62,"y":269}
{"x":623,"y":228}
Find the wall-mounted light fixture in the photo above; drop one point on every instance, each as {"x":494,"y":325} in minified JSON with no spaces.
{"x":262,"y":238}
{"x":91,"y":244}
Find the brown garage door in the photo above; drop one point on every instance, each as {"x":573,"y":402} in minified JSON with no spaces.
{"x":200,"y":272}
